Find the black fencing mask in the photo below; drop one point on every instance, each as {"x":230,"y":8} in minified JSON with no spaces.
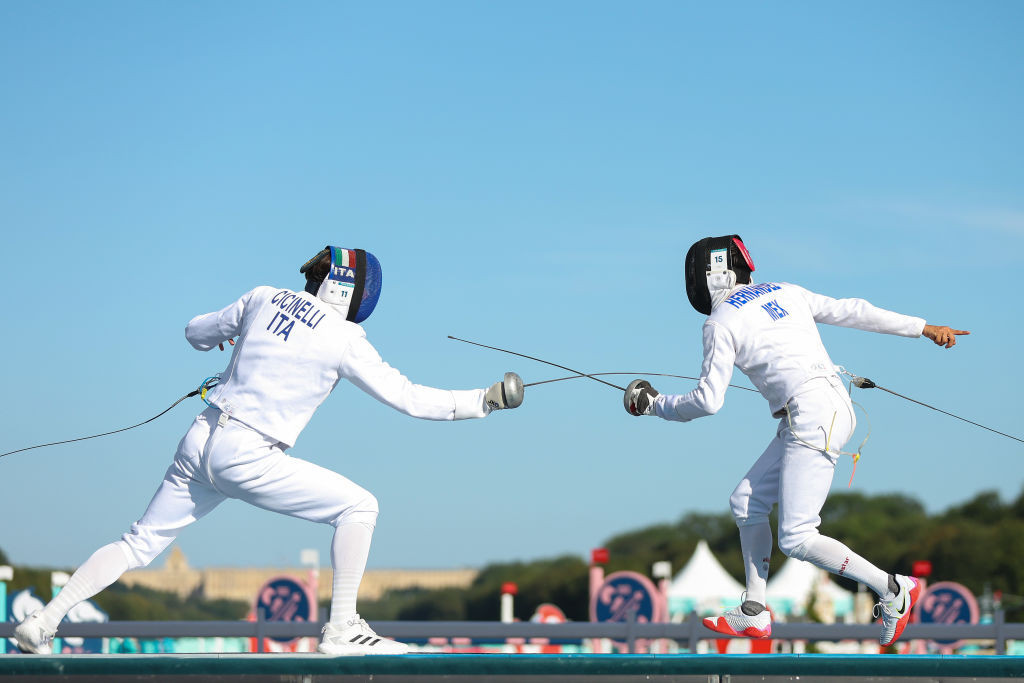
{"x":711,"y":257}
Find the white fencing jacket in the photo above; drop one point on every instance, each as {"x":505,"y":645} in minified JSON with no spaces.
{"x":292,"y":349}
{"x":769,"y":332}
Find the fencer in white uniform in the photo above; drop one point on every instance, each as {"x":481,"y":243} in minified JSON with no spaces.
{"x":768,"y":331}
{"x":292,"y":349}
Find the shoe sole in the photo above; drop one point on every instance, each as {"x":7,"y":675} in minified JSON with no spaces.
{"x":749,"y":632}
{"x":356,"y":653}
{"x":348,"y":653}
{"x":30,"y":651}
{"x":915,"y":593}
{"x":345,"y":650}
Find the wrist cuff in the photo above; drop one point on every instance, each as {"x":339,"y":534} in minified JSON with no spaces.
{"x":469,"y":404}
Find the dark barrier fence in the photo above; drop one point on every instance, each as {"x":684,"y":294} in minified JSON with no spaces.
{"x":687,"y":633}
{"x":501,"y":668}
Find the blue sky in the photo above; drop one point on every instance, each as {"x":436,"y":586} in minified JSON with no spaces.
{"x":530,"y":175}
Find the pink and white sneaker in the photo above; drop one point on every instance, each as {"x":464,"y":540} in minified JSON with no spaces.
{"x":735,"y":623}
{"x":895,"y":609}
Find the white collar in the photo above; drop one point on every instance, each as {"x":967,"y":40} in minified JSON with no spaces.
{"x":721,"y":286}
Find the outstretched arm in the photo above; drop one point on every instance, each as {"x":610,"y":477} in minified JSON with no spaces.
{"x":708,"y":397}
{"x":363,"y":366}
{"x":942,"y":335}
{"x":859,"y":314}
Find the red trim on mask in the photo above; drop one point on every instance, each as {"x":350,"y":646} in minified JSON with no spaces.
{"x":746,"y":254}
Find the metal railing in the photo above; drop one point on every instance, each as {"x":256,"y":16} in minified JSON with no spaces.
{"x":687,"y":633}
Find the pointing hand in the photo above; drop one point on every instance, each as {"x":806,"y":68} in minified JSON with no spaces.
{"x":942,"y":335}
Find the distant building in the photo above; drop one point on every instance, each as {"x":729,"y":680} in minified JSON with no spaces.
{"x":242,"y":583}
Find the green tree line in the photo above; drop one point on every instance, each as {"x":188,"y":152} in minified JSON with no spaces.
{"x":979,"y":543}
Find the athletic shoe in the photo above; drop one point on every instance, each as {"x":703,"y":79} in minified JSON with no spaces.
{"x":32,"y":637}
{"x":355,"y":637}
{"x":735,"y":623}
{"x":895,"y":609}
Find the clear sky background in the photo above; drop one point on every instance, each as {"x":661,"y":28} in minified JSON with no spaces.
{"x":530,"y":175}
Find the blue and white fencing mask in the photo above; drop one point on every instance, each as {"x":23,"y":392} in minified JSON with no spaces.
{"x":348,"y":279}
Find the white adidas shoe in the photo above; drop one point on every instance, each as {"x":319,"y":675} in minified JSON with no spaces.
{"x":735,"y":623}
{"x":355,"y":637}
{"x":33,"y":637}
{"x":895,"y":609}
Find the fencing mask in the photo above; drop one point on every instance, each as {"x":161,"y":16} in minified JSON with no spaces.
{"x":722,"y":262}
{"x":348,"y":279}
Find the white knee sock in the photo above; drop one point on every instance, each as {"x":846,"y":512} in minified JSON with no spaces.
{"x":835,"y":557}
{"x":349,"y":550}
{"x":756,"y":545}
{"x":103,"y":568}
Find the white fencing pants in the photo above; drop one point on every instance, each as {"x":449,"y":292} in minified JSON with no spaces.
{"x":796,"y":472}
{"x":230,"y":460}
{"x":218,"y":459}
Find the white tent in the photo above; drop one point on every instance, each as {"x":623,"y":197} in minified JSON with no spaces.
{"x":702,"y":585}
{"x":790,"y":589}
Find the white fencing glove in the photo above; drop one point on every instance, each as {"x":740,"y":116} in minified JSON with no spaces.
{"x":639,"y":398}
{"x":505,"y":394}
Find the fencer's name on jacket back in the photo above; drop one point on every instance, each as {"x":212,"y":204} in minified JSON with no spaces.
{"x":750,"y":293}
{"x":298,"y":308}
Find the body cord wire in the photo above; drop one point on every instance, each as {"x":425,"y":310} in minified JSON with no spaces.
{"x":201,"y":389}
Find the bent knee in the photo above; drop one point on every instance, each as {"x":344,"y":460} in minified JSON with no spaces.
{"x":739,"y":506}
{"x":140,"y":547}
{"x":364,"y":510}
{"x":794,"y":544}
{"x":739,"y":501}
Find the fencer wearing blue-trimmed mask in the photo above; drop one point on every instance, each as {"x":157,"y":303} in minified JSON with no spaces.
{"x":348,"y":279}
{"x":292,"y":350}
